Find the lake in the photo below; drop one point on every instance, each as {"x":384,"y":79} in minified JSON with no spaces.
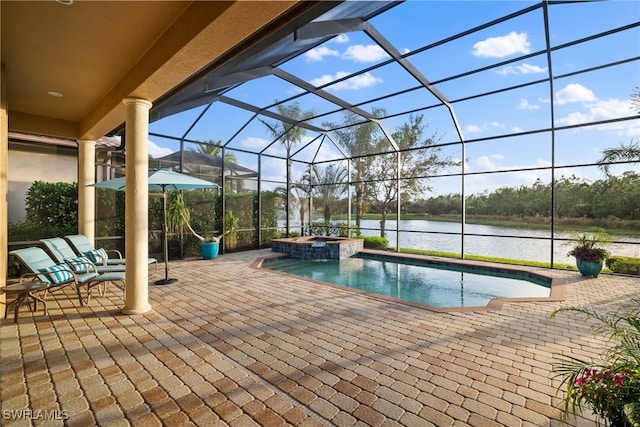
{"x":514,"y":243}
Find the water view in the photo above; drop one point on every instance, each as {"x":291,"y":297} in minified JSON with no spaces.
{"x":530,"y":245}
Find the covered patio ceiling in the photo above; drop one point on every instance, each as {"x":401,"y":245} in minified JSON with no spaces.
{"x":68,"y":66}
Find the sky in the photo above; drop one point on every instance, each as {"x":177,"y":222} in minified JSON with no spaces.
{"x":579,"y":98}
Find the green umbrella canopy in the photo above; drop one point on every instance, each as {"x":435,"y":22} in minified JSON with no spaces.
{"x":161,"y":179}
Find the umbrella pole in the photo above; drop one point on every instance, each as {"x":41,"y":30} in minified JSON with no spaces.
{"x":166,"y":280}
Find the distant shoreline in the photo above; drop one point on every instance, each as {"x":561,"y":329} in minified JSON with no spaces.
{"x":613,"y":226}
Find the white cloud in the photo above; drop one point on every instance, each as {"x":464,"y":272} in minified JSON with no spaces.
{"x":521,"y":69}
{"x":574,"y":92}
{"x":524,"y":105}
{"x":610,"y":109}
{"x":483,"y":127}
{"x":361,"y":53}
{"x":358,"y":82}
{"x":156,"y":151}
{"x":516,"y":129}
{"x":484,"y":163}
{"x":318,"y":54}
{"x":473,"y":129}
{"x":273,"y":170}
{"x":604,"y":110}
{"x":254,"y":142}
{"x":499,"y":47}
{"x":341,"y":38}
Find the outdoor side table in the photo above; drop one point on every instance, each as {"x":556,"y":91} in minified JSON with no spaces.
{"x":24,"y":291}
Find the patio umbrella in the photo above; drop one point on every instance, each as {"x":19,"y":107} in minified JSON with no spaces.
{"x":162,"y":179}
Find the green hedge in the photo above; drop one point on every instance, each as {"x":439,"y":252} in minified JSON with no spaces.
{"x":625,"y":265}
{"x":52,"y":210}
{"x":376,"y":242}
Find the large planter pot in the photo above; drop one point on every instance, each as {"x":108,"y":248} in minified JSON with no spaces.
{"x":209,"y":250}
{"x":588,"y":269}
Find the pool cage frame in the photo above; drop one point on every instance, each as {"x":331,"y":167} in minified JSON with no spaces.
{"x":320,"y":31}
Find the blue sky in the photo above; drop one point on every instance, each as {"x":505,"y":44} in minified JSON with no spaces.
{"x":581,"y":98}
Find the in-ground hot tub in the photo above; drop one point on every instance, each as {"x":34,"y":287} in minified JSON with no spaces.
{"x":317,"y":247}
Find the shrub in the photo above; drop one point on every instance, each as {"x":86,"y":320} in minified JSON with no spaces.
{"x":53,"y":205}
{"x":610,"y":386}
{"x":624,"y":265}
{"x":376,"y":242}
{"x":342,"y":229}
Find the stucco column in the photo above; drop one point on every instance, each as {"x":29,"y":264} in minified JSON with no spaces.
{"x":136,"y":223}
{"x":87,"y":195}
{"x":4,"y":166}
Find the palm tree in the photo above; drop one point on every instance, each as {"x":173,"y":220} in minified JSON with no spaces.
{"x":298,"y":197}
{"x":622,"y":152}
{"x":329,"y":185}
{"x":630,"y":152}
{"x":214,"y":148}
{"x":289,"y":135}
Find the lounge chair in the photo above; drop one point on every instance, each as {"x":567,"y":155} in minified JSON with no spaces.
{"x":42,"y":267}
{"x":83,"y":247}
{"x":61,"y":252}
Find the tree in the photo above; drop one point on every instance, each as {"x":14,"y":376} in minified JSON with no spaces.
{"x":630,"y":152}
{"x":298,"y":197}
{"x":360,"y":139}
{"x":328,"y":186}
{"x":214,"y":148}
{"x":419,"y":158}
{"x":289,"y":135}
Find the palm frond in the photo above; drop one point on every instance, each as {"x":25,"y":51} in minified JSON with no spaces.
{"x":630,"y":152}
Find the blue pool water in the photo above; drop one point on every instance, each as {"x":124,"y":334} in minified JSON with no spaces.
{"x":432,"y":284}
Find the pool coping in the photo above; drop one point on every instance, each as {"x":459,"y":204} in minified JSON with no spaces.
{"x":557,"y":288}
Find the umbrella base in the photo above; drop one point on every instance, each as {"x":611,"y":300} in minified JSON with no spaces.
{"x":165,"y":281}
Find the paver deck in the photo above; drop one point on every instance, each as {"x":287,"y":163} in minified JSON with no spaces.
{"x":233,"y":345}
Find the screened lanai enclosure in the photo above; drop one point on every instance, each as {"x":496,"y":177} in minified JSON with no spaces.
{"x":459,"y":127}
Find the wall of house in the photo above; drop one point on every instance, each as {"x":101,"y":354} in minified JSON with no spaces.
{"x":30,"y":162}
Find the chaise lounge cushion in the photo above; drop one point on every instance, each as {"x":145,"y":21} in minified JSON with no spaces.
{"x":58,"y":274}
{"x":97,"y":256}
{"x":79,"y":264}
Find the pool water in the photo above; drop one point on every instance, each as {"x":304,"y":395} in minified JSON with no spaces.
{"x":433,"y":284}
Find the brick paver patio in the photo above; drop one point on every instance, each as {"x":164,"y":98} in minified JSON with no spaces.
{"x":233,"y":345}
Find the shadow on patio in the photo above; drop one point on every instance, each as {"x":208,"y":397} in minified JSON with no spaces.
{"x":229,"y":344}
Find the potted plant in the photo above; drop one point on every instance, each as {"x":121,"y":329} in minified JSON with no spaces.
{"x":179,"y":216}
{"x":610,"y":388}
{"x":590,"y":258}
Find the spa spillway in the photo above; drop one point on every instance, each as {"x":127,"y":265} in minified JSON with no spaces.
{"x":317,"y":247}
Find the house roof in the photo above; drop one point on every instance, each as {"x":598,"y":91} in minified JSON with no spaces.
{"x":193,"y":159}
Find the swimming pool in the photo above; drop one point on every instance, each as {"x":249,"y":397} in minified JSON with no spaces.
{"x":438,"y":285}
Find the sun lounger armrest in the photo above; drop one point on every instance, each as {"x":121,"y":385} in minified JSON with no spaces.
{"x":117,"y":252}
{"x":91,"y":268}
{"x":33,"y":277}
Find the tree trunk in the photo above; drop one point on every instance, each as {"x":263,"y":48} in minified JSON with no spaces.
{"x":327,"y":213}
{"x":302,"y":218}
{"x":383,"y":223}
